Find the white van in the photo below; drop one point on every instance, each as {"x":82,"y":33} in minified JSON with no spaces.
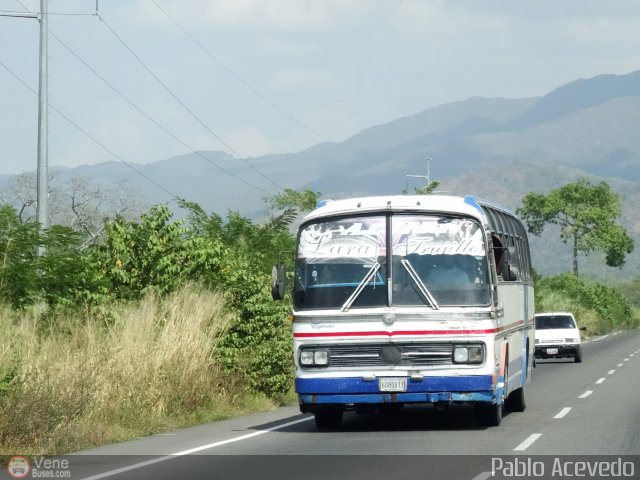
{"x":557,"y":336}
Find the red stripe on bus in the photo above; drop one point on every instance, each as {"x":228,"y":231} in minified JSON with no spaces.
{"x":391,"y":334}
{"x":407,"y":332}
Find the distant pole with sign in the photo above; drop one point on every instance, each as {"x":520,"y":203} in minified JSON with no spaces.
{"x":427,"y":178}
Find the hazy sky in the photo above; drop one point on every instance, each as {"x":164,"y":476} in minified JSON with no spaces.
{"x":253,"y":77}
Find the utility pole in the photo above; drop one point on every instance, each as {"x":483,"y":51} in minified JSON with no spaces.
{"x":43,"y":133}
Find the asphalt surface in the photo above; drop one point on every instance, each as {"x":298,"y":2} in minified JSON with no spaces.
{"x":585,"y":414}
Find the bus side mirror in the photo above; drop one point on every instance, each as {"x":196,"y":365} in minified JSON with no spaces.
{"x":277,"y":282}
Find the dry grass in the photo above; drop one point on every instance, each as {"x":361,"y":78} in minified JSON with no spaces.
{"x":150,"y":369}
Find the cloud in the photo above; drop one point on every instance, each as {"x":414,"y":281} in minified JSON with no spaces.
{"x":288,"y":15}
{"x":305,"y":79}
{"x":249,"y":141}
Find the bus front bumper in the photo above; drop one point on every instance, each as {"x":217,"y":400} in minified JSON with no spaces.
{"x":350,"y":392}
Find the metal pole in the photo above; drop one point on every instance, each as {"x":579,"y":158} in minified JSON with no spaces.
{"x":428,"y":171}
{"x":42,"y":172}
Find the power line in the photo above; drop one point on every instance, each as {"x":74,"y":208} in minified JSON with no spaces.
{"x":14,"y":13}
{"x":51,"y":13}
{"x":141,"y":111}
{"x":177,"y":99}
{"x":237,"y":77}
{"x":8,"y":13}
{"x":96,"y":141}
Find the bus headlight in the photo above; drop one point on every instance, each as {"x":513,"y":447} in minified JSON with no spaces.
{"x":321,"y":357}
{"x":468,"y":354}
{"x":314,"y":357}
{"x":461,"y":355}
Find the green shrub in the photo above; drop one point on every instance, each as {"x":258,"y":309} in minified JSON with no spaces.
{"x":598,"y":307}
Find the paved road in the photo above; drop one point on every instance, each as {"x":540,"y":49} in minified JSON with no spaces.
{"x":583,"y":409}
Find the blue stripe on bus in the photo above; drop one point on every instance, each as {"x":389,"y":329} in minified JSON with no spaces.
{"x":469,"y":200}
{"x":378,"y":398}
{"x":356,"y":385}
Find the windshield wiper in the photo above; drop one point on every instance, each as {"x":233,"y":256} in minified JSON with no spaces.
{"x":356,"y":293}
{"x":420,"y":284}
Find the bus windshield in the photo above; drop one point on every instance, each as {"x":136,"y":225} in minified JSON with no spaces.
{"x":431,"y":261}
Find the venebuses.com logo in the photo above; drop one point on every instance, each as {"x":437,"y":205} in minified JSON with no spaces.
{"x":18,"y":467}
{"x":38,"y":467}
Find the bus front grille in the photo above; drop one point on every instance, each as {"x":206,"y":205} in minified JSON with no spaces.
{"x":388,"y":354}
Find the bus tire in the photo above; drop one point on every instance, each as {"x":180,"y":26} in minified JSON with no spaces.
{"x":328,"y":419}
{"x":488,"y":414}
{"x":516,"y":402}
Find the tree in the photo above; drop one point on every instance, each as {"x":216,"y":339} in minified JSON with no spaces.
{"x":301,"y":202}
{"x":83,"y":206}
{"x":152,"y":253}
{"x":75,"y":202}
{"x":586,"y":214}
{"x":18,"y":241}
{"x":63,"y":275}
{"x":428,"y":189}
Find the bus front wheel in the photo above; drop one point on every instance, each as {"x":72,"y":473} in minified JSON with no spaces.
{"x":488,"y":414}
{"x":328,"y":419}
{"x":516,"y":401}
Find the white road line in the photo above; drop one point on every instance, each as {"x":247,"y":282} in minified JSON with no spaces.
{"x":631,"y":354}
{"x":620,"y":364}
{"x":482,"y":476}
{"x":626,"y":359}
{"x":600,"y":338}
{"x":563,"y":412}
{"x":135,"y":466}
{"x":527,"y":443}
{"x":611,"y":372}
{"x":600,"y":380}
{"x":586,"y":394}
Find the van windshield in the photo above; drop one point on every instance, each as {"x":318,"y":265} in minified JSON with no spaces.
{"x":548,"y":322}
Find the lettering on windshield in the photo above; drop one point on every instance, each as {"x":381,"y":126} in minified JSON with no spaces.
{"x":350,"y":239}
{"x":427,"y":246}
{"x":436,"y":236}
{"x":366,"y":238}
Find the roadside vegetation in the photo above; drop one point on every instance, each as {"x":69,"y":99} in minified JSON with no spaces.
{"x":144,"y":325}
{"x":598,"y":307}
{"x":158,"y":325}
{"x":586,"y":214}
{"x":84,"y":381}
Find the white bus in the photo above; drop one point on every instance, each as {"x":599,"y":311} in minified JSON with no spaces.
{"x":411,"y":300}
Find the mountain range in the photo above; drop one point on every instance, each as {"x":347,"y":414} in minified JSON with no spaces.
{"x":496,"y":148}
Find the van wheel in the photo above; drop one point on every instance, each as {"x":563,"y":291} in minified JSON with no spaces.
{"x":578,"y":357}
{"x":328,"y":419}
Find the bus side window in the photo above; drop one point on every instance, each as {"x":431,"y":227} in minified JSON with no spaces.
{"x":497,"y":251}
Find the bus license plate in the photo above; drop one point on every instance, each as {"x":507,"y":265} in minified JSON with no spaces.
{"x":552,"y":351}
{"x":393,"y":384}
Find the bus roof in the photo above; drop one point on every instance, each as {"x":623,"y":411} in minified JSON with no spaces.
{"x":440,"y":203}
